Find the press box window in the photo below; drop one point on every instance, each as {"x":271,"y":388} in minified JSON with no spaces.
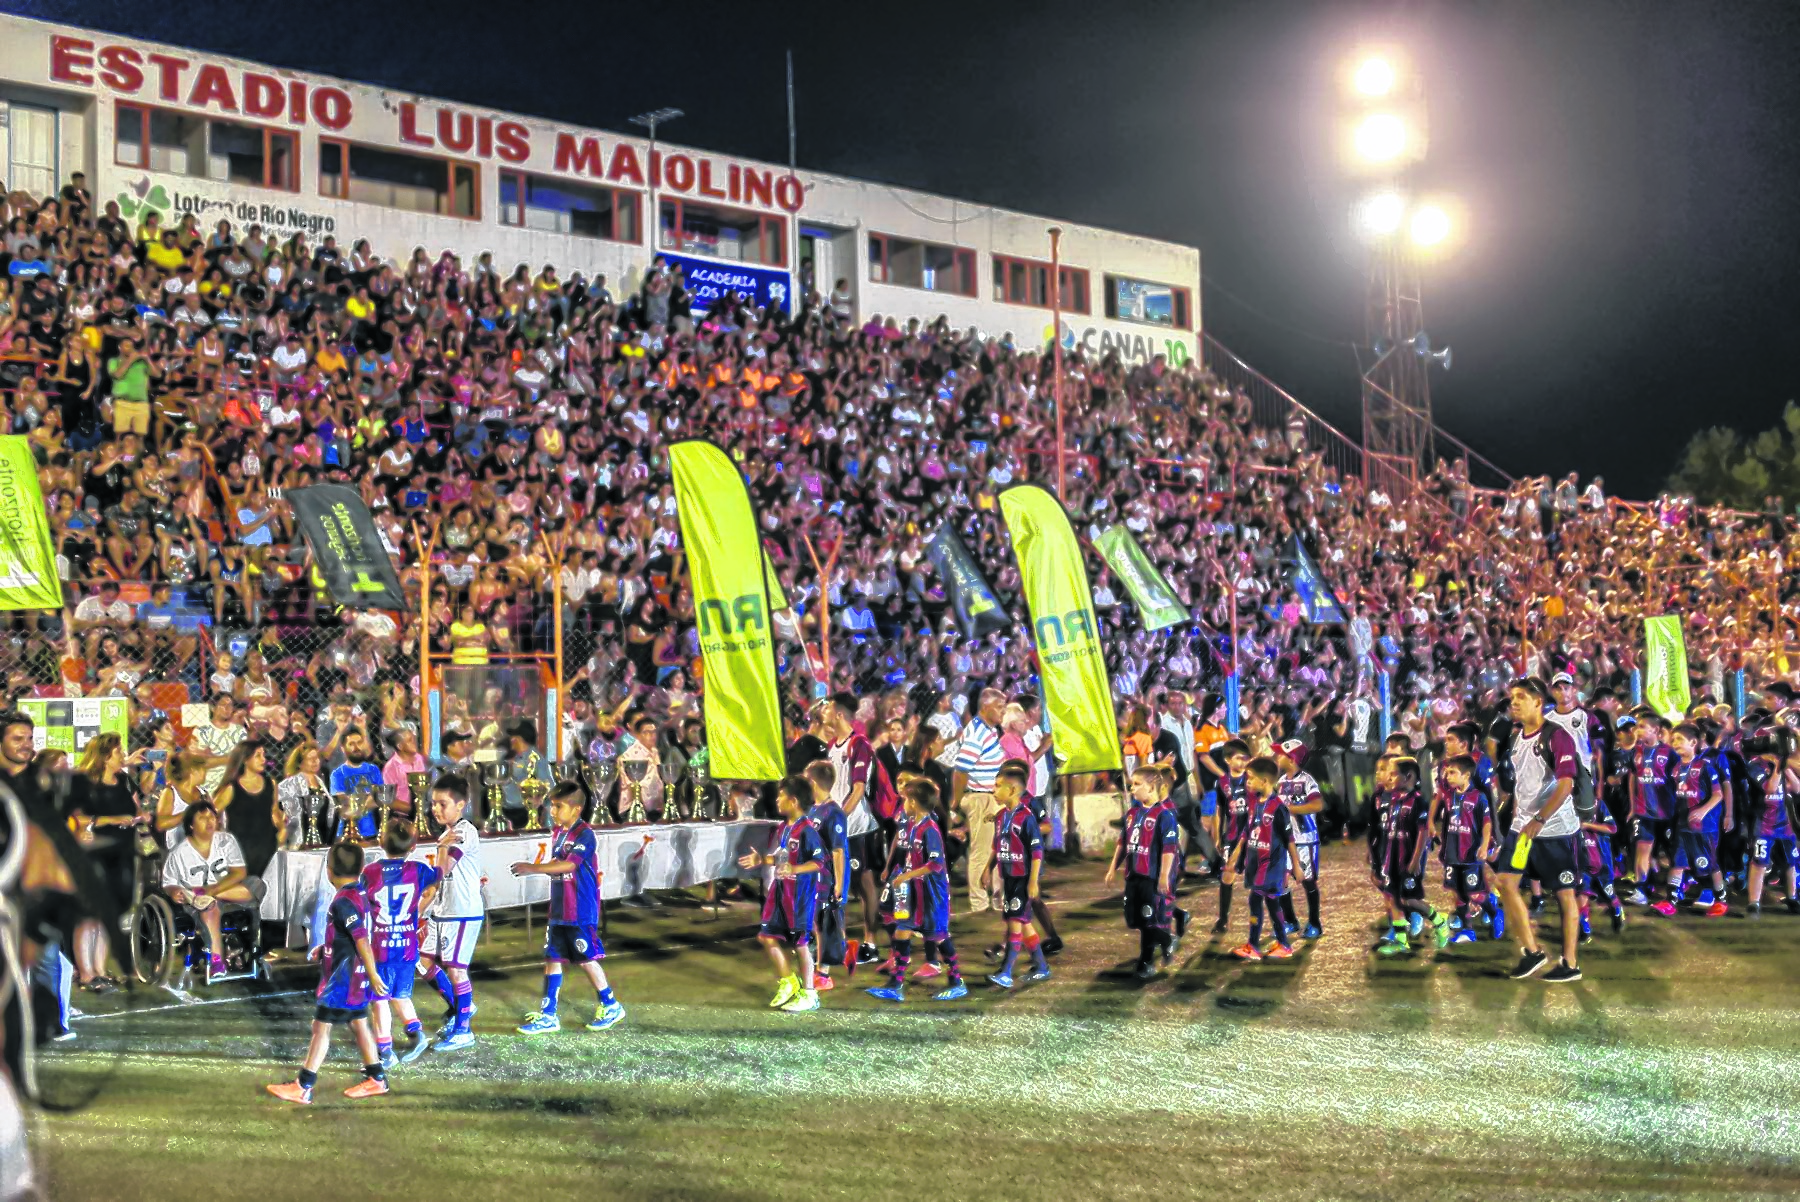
{"x":722,"y":233}
{"x":535,"y":202}
{"x":414,"y":183}
{"x":1147,"y":303}
{"x":925,"y":265}
{"x":230,"y":152}
{"x":1027,"y":282}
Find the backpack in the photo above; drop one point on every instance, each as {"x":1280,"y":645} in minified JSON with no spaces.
{"x":1583,"y":795}
{"x":883,"y":794}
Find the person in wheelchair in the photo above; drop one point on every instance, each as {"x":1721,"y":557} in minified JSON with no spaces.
{"x":205,"y":873}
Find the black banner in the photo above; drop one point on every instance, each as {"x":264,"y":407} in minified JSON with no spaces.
{"x":345,"y":545}
{"x":978,"y":611}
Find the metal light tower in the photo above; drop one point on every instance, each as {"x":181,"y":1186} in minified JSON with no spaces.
{"x":1385,"y":140}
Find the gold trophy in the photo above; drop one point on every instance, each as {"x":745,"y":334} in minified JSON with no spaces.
{"x":384,"y":797}
{"x":700,"y":777}
{"x":418,"y":785}
{"x":532,"y":791}
{"x":493,"y":776}
{"x":597,"y":779}
{"x":313,"y":803}
{"x":635,"y":771}
{"x":670,"y":812}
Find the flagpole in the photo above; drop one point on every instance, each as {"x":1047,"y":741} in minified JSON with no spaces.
{"x":1056,"y":355}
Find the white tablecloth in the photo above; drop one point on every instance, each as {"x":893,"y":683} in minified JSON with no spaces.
{"x":632,"y":859}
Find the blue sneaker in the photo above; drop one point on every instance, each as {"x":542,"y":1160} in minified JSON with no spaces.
{"x":1705,"y":898}
{"x":1499,"y":922}
{"x":607,"y":1016}
{"x":455,"y":1041}
{"x":1039,"y":974}
{"x":1415,"y":924}
{"x":1463,"y":936}
{"x":887,"y":993}
{"x":1312,"y":931}
{"x":540,"y":1024}
{"x":415,"y":1048}
{"x":1456,"y":923}
{"x":958,"y":990}
{"x":1002,"y":979}
{"x":389,"y":1060}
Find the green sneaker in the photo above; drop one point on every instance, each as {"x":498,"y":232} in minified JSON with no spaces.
{"x":1394,"y":946}
{"x":1440,"y":928}
{"x":784,"y":992}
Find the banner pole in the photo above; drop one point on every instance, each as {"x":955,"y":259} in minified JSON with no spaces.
{"x":555,"y":555}
{"x":425,"y":552}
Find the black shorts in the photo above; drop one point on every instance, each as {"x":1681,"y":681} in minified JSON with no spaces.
{"x":1146,"y":907}
{"x":1015,"y":900}
{"x":338,"y":1015}
{"x":1551,"y":860}
{"x":1403,"y":884}
{"x":867,"y":853}
{"x":1658,"y":832}
{"x":1462,"y":879}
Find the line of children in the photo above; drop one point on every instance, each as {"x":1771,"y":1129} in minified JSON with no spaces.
{"x":1774,"y":786}
{"x":916,"y":897}
{"x":573,"y":932}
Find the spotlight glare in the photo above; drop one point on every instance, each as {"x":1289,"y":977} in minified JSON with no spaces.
{"x":1430,"y":225}
{"x":1374,"y":77}
{"x":1380,"y":215}
{"x":1380,"y":138}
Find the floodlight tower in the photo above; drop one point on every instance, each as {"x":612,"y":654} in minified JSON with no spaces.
{"x":1385,"y":138}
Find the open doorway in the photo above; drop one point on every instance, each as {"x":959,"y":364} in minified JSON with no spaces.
{"x":828,"y":257}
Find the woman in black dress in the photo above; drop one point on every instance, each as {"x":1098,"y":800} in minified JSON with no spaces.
{"x":103,"y":810}
{"x":246,"y":800}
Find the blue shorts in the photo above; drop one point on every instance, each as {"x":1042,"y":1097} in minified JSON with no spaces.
{"x":398,"y":976}
{"x":1697,"y":851}
{"x":1467,"y":876}
{"x":1778,"y":851}
{"x":565,"y":942}
{"x":1209,"y":803}
{"x":931,"y":919}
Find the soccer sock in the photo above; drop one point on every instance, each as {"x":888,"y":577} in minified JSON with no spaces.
{"x":1287,"y":909}
{"x":902,"y":958}
{"x":1312,"y":901}
{"x":1040,"y":915}
{"x":414,"y":1027}
{"x":384,"y":1046}
{"x":1225,"y":902}
{"x":1012,"y":955}
{"x":375,"y":1072}
{"x":1256,"y":919}
{"x":1146,"y":947}
{"x":307,"y":1078}
{"x":445,"y":986}
{"x":65,"y":989}
{"x":1399,"y":929}
{"x":465,"y":1004}
{"x":552,"y":987}
{"x":1035,"y":945}
{"x":952,"y":965}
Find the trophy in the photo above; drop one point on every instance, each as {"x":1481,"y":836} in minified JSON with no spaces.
{"x":700,"y":773}
{"x":312,"y":804}
{"x":670,"y":811}
{"x":635,"y":771}
{"x":493,"y":778}
{"x":532,"y":791}
{"x":384,"y":796}
{"x":597,"y":779}
{"x":418,"y":786}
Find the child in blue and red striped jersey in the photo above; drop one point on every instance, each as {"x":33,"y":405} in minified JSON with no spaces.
{"x":1408,"y":839}
{"x":1150,"y":852}
{"x":917,"y":897}
{"x":790,"y":910}
{"x":399,"y":891}
{"x":1234,"y":815}
{"x":573,"y":932}
{"x":1266,"y":860}
{"x":1468,"y":832}
{"x":1018,"y":858}
{"x":1594,"y":857}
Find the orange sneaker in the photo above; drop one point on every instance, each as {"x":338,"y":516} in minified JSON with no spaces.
{"x":821,"y":981}
{"x":291,"y":1091}
{"x":1718,"y":909}
{"x":1280,"y":951}
{"x":368,"y":1087}
{"x":1247,"y":952}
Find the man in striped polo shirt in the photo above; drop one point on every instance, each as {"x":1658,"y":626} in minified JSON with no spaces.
{"x":978,"y":760}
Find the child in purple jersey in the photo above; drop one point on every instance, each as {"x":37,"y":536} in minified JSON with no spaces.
{"x":1266,"y":860}
{"x":1467,"y":833}
{"x":1774,"y":784}
{"x":1018,"y":859}
{"x":1150,"y":852}
{"x":1408,"y":840}
{"x":1650,"y":784}
{"x":348,"y":978}
{"x":573,"y":931}
{"x":917,"y":897}
{"x":834,"y":880}
{"x":1698,"y":798}
{"x":1234,"y":815}
{"x":398,"y":890}
{"x":790,"y":908}
{"x":1594,"y":857}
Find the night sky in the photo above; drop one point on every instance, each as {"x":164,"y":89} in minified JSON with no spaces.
{"x":1631,"y":167}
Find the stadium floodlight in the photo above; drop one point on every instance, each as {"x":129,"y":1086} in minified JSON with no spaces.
{"x":1430,"y":226}
{"x":1374,"y":77}
{"x":1380,"y":214}
{"x":1381,"y":138}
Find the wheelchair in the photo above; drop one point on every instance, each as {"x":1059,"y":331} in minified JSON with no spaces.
{"x":165,"y":943}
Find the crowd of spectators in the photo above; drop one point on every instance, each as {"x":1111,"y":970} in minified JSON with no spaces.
{"x":504,"y":426}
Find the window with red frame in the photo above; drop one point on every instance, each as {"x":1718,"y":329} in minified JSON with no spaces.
{"x":687,"y":227}
{"x":230,"y":152}
{"x":1148,"y":303}
{"x":909,"y":263}
{"x":416,"y":183}
{"x":1027,"y":282}
{"x":540,"y":202}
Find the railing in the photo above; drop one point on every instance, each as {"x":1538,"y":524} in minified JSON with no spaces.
{"x":1274,"y":408}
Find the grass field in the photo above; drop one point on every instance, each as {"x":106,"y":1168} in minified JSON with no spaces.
{"x":1666,"y":1073}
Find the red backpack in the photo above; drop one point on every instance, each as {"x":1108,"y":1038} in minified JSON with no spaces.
{"x":883,"y":794}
